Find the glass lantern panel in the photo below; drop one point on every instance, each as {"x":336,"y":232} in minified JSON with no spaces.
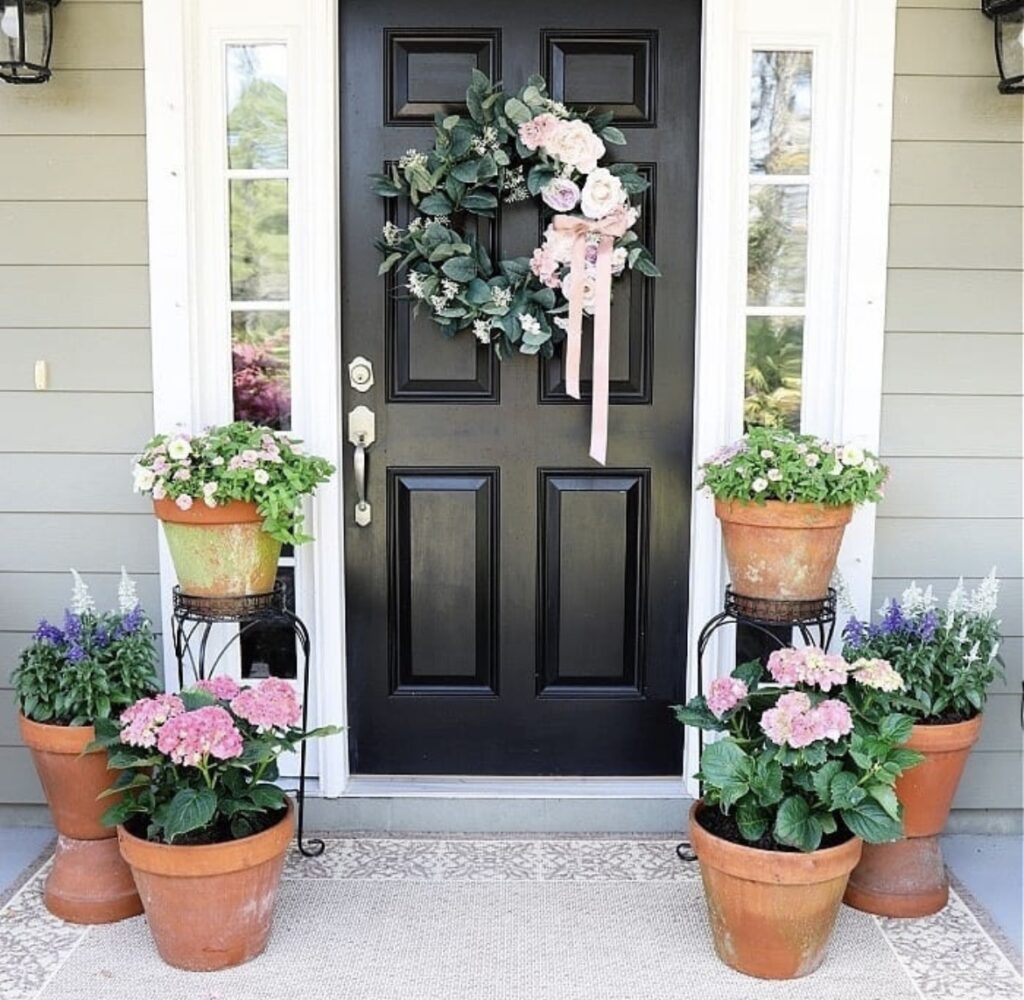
{"x":777,"y":245}
{"x":259,"y":239}
{"x":257,"y":111}
{"x":261,"y":367}
{"x":773,"y":372}
{"x":780,"y":112}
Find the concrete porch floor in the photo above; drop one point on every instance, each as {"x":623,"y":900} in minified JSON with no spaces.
{"x":991,"y":867}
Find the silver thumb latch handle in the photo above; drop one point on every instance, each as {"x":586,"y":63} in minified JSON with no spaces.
{"x":361,"y":434}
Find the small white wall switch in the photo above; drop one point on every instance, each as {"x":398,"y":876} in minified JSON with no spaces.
{"x":42,"y":375}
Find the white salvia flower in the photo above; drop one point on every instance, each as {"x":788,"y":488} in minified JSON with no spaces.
{"x":528,"y":323}
{"x":915,"y":600}
{"x":81,"y":599}
{"x":955,"y":601}
{"x":127,"y":598}
{"x":993,"y":652}
{"x":973,"y":656}
{"x":482,"y":330}
{"x":961,"y":636}
{"x":843,"y":597}
{"x":984,"y":599}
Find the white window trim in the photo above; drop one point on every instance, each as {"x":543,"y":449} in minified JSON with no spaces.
{"x":842,"y":377}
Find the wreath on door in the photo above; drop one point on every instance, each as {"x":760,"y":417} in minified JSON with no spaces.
{"x":506,"y":151}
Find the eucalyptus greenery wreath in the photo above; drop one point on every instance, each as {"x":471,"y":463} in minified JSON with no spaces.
{"x":507,"y":150}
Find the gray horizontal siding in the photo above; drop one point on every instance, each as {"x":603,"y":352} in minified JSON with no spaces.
{"x":951,"y":409}
{"x":75,"y":291}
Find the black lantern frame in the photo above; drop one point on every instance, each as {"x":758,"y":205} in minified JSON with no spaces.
{"x":26,"y":40}
{"x":1004,"y":14}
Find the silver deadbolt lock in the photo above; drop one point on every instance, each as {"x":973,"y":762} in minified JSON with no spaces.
{"x":360,"y":374}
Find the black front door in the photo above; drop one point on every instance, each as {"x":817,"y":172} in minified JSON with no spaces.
{"x":514,"y":608}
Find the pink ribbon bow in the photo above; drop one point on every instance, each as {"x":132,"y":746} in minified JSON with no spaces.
{"x":607,"y":229}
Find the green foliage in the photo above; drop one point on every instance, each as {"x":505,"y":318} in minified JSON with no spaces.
{"x":478,"y":162}
{"x":89,"y":669}
{"x":239,"y":461}
{"x":778,"y":464}
{"x":799,"y":794}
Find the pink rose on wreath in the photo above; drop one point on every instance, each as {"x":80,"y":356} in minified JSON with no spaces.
{"x":271,"y":704}
{"x":192,"y":736}
{"x":222,"y":687}
{"x":725,"y":694}
{"x":538,"y":131}
{"x":544,"y":265}
{"x":561,"y":194}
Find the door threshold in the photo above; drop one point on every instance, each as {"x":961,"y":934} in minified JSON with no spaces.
{"x":463,"y":786}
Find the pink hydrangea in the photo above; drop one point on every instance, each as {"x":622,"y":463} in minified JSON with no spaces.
{"x":878,"y":674}
{"x":794,"y":723}
{"x":811,"y":666}
{"x":539,"y":131}
{"x":271,"y":704}
{"x":832,"y":719}
{"x":724,"y":694}
{"x":222,"y":687}
{"x":192,"y":736}
{"x":777,"y":722}
{"x":140,"y":722}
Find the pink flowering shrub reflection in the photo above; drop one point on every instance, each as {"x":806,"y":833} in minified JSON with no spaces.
{"x":812,"y":749}
{"x":202,"y":765}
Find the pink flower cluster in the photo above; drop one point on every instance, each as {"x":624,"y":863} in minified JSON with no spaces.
{"x":811,"y":666}
{"x":270,"y":705}
{"x":878,"y":674}
{"x":794,"y":723}
{"x":141,"y":722}
{"x":724,"y":694}
{"x":222,"y":687}
{"x":192,"y":736}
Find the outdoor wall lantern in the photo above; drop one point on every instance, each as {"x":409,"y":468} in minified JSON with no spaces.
{"x":26,"y":40}
{"x":1008,"y":18}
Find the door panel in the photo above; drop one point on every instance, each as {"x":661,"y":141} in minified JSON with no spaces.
{"x":513,"y":608}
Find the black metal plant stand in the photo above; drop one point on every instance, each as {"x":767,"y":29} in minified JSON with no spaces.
{"x":814,"y":620}
{"x":192,"y":622}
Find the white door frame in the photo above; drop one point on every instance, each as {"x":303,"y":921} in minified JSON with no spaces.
{"x":854,"y":45}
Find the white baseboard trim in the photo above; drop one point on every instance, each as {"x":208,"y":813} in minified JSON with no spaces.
{"x":462,"y":787}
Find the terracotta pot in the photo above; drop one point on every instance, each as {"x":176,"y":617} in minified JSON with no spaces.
{"x":772,"y":912}
{"x":219,"y":551}
{"x":210,"y":906}
{"x":908,"y":878}
{"x":88,"y":883}
{"x":781,"y":551}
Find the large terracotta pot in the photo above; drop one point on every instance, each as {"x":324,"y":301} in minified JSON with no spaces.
{"x":219,"y":551}
{"x":772,"y":912}
{"x":908,"y":878}
{"x":88,"y":883}
{"x":781,"y":551}
{"x":210,"y":906}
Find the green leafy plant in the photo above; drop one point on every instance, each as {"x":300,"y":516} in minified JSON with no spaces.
{"x":239,"y":461}
{"x":201,"y":767}
{"x":90,"y":667}
{"x":948,"y":658}
{"x":777,"y":464}
{"x":811,"y":751}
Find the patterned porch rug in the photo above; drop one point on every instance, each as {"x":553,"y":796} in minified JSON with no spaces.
{"x":381,"y":918}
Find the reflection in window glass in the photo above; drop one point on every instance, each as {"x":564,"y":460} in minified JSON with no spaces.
{"x":780,"y":113}
{"x":260,"y":361}
{"x":259,"y":239}
{"x":773,"y":371}
{"x":257,"y":111}
{"x":777,"y":245}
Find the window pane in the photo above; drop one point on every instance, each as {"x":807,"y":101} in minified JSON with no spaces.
{"x":270,"y":650}
{"x":780,"y":113}
{"x":773,"y":371}
{"x":777,"y":245}
{"x":257,"y":113}
{"x":261,"y":366}
{"x":259,"y":239}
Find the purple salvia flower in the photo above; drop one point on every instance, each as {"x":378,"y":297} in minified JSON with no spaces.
{"x":855,"y":632}
{"x":72,"y":626}
{"x":927,"y":626}
{"x":48,"y":633}
{"x":75,"y":653}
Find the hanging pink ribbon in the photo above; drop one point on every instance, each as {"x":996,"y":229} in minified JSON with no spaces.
{"x":607,"y":229}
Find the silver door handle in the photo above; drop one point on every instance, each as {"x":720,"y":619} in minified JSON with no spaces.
{"x":362,"y":432}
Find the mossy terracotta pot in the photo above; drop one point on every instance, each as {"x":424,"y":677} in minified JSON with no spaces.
{"x":219,"y":551}
{"x":772,"y":912}
{"x":781,"y":551}
{"x":88,"y":883}
{"x":908,"y":878}
{"x":210,"y":906}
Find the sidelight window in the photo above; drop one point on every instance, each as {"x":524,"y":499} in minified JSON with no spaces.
{"x":778,"y":187}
